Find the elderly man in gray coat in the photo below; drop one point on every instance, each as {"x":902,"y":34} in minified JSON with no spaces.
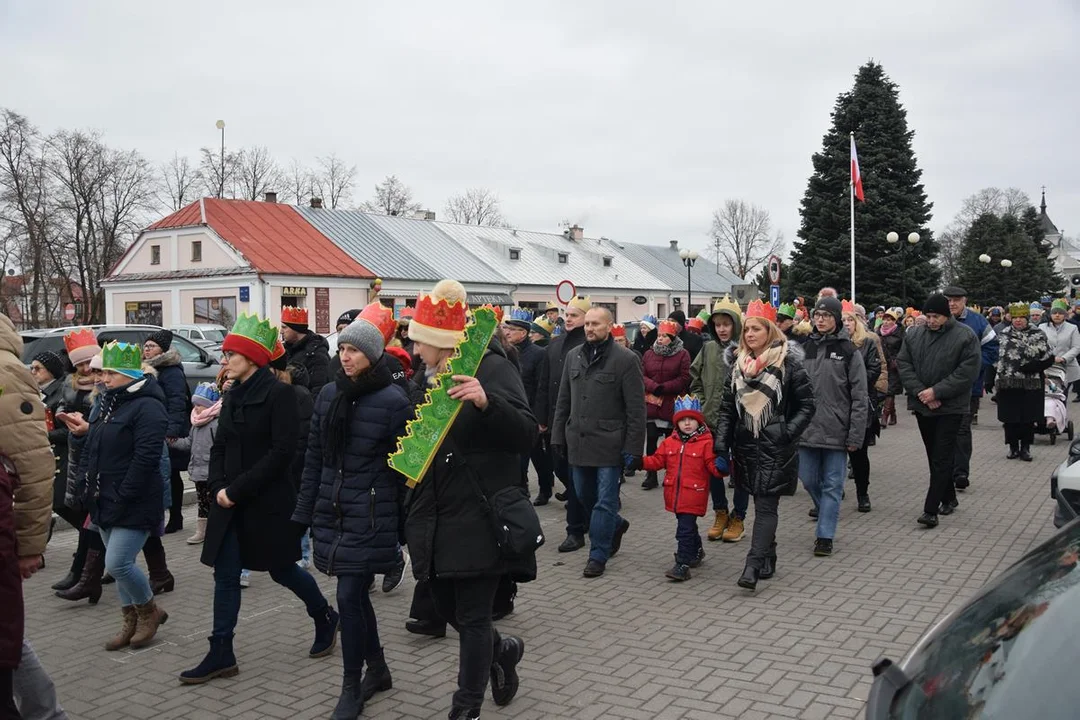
{"x":600,"y":427}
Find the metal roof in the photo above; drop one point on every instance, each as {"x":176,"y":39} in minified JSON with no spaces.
{"x":538,"y":262}
{"x":369,"y":244}
{"x":664,"y":262}
{"x":179,"y":274}
{"x":425,"y":240}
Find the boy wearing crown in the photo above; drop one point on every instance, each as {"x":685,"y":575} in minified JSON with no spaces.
{"x":687,"y":456}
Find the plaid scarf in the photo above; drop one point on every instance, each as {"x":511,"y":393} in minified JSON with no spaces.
{"x":759,"y":384}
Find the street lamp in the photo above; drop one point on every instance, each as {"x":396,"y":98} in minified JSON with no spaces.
{"x":220,"y":125}
{"x":912,"y":238}
{"x":689,"y":257}
{"x":1005,"y":263}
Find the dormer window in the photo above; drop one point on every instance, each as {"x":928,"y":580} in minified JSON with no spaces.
{"x":515,"y":253}
{"x":607,"y":261}
{"x":155,"y":254}
{"x":563,"y":258}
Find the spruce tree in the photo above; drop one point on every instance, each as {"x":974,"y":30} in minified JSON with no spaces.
{"x":1046,"y":274}
{"x":1031,"y":276}
{"x":895,"y":202}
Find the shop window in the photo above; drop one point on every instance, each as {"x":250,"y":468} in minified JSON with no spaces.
{"x":155,"y":254}
{"x":196,"y":251}
{"x":215,"y":311}
{"x":143,"y":313}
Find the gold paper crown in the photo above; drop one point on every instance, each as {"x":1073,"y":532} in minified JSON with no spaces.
{"x":1019,"y":309}
{"x":255,"y":329}
{"x":726,"y":304}
{"x":581,"y":302}
{"x":119,"y":356}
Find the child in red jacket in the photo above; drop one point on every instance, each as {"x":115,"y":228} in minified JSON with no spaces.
{"x":688,"y":458}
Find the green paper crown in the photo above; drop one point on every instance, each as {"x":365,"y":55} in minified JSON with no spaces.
{"x":787,"y":310}
{"x":704,"y":315}
{"x":253,"y":328}
{"x":1059,"y":304}
{"x":424,"y":435}
{"x":121,"y":356}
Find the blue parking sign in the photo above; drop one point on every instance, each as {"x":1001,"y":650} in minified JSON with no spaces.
{"x":774,"y":295}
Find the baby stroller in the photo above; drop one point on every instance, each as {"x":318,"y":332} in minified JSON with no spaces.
{"x":1055,"y":393}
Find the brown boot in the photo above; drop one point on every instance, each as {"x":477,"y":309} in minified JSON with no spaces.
{"x":89,"y":585}
{"x":719,"y":525}
{"x":123,"y":638}
{"x":150,"y":616}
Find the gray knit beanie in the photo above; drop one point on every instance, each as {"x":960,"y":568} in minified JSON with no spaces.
{"x":365,"y":337}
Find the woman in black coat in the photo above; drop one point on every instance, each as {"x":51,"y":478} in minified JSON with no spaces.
{"x":761,"y":433}
{"x":450,"y":536}
{"x":159,"y":354}
{"x":349,"y":497}
{"x":253,"y":497}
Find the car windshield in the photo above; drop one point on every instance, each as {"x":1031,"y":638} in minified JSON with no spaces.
{"x":1011,"y":652}
{"x":215,"y":334}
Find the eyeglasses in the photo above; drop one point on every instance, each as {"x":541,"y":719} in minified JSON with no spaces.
{"x":228,"y":355}
{"x":822,"y":315}
{"x":37,"y":368}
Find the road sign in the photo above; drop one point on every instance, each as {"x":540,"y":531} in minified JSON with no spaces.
{"x":774,"y":269}
{"x":245,"y":293}
{"x":69,"y":312}
{"x":565,"y":292}
{"x":774,"y":295}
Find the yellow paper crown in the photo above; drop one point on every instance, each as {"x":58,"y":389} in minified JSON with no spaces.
{"x":581,"y":302}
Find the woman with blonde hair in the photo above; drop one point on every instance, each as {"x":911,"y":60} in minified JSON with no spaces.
{"x":877,"y":383}
{"x":767,"y":404}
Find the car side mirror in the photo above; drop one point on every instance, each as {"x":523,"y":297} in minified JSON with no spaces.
{"x":208,"y":361}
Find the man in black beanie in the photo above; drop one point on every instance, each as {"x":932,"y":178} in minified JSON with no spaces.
{"x":691,"y":341}
{"x":938,"y":363}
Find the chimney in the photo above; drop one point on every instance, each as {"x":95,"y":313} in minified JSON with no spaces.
{"x":674,"y":244}
{"x":316,"y":203}
{"x":576,"y":233}
{"x":423,"y":215}
{"x":270,"y":196}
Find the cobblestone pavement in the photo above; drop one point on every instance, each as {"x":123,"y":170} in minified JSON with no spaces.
{"x":627,"y":645}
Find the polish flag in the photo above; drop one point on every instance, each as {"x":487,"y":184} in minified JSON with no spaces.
{"x":856,"y":176}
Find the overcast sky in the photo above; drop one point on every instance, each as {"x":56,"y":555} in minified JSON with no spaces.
{"x":635,"y":119}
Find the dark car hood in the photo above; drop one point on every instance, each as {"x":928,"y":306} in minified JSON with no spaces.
{"x":1009,"y":652}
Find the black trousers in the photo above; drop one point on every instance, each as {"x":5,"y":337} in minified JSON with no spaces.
{"x":962,"y":464}
{"x":423,"y":603}
{"x":763,"y":536}
{"x":8,"y":711}
{"x":466,"y":604}
{"x":860,"y":468}
{"x":541,"y":460}
{"x":176,"y":492}
{"x":652,"y":438}
{"x":939,"y":438}
{"x":1019,"y":433}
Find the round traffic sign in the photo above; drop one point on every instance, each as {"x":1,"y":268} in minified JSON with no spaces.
{"x":774,"y":270}
{"x":565,"y":292}
{"x":69,"y":312}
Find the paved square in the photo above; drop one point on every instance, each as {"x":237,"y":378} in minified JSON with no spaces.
{"x":628,"y":645}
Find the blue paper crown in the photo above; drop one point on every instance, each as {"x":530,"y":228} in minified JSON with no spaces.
{"x":687,"y":403}
{"x":520,"y":315}
{"x":650,"y":320}
{"x":207,"y":392}
{"x":1036,"y":307}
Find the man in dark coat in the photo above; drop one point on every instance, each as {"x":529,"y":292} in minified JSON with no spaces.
{"x":530,"y":358}
{"x":159,"y":354}
{"x":691,"y":341}
{"x":306,"y":347}
{"x":600,"y":427}
{"x":547,"y":395}
{"x":938,"y":364}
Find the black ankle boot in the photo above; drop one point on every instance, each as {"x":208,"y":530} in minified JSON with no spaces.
{"x":219,"y":662}
{"x":768,"y":568}
{"x":749,"y":578}
{"x":1025,"y":452}
{"x":351,"y":702}
{"x":377,"y":678}
{"x":1014,"y":451}
{"x":326,"y":626}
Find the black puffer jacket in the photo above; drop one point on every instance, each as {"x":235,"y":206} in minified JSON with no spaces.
{"x":768,"y":464}
{"x":530,"y":358}
{"x":313,"y":352}
{"x":449,"y":534}
{"x":353,"y":510}
{"x":890,"y":345}
{"x":120,"y":464}
{"x":173,"y":382}
{"x":53,"y":397}
{"x":305,"y":407}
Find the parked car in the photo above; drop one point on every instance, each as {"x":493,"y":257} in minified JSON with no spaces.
{"x":1065,"y":487}
{"x":200,"y":364}
{"x":1009,"y":652}
{"x":200,"y":334}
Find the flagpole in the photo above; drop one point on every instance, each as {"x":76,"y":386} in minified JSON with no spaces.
{"x":851,"y":194}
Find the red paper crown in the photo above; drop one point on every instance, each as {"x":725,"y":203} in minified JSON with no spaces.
{"x":294,"y":315}
{"x":279,"y":350}
{"x":696,"y":324}
{"x":381,"y":317}
{"x":618,"y":331}
{"x":668,"y":327}
{"x":83,"y":337}
{"x":758,"y":309}
{"x":847,"y":306}
{"x":439,"y":315}
{"x":497,"y":310}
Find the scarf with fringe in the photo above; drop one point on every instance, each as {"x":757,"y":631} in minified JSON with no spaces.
{"x":759,"y":384}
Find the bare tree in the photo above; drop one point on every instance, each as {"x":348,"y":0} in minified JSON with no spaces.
{"x":392,"y":197}
{"x":742,"y":238}
{"x":181,"y":180}
{"x":256,"y":172}
{"x":334,"y":180}
{"x":299,"y":183}
{"x":218,"y":172}
{"x":1008,"y":202}
{"x":475,"y":206}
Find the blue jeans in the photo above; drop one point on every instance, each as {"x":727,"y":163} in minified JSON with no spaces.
{"x":822,"y":472}
{"x":122,"y":546}
{"x":597,"y":489}
{"x":227,"y":569}
{"x":687,"y":538}
{"x":359,"y":629}
{"x":576,"y":520}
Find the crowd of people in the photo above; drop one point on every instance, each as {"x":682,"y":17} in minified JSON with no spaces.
{"x":288,"y":454}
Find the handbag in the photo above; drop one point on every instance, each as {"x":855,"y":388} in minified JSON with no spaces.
{"x":513,"y":520}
